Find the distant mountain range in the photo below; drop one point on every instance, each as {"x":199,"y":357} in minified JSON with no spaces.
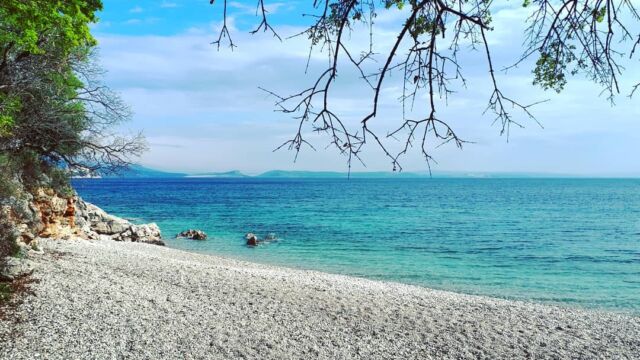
{"x":335,"y":174}
{"x":227,"y":174}
{"x":137,"y":171}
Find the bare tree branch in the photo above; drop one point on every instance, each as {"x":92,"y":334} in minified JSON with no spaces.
{"x":568,"y":37}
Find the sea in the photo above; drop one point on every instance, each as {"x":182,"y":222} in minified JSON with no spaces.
{"x":572,"y":242}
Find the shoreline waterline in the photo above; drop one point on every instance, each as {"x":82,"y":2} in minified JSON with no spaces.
{"x":560,"y":303}
{"x":552,"y":240}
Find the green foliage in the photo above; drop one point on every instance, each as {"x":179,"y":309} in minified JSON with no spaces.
{"x":552,"y":66}
{"x":40,"y":42}
{"x":549,"y":72}
{"x":54,"y":114}
{"x":59,"y":181}
{"x":6,"y":124}
{"x":388,"y":4}
{"x":31,"y":172}
{"x":423,"y":25}
{"x":26,"y":22}
{"x":9,"y":106}
{"x":5,"y":292}
{"x":599,"y":14}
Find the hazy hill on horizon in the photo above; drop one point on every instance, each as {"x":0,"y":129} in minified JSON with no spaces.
{"x":139,"y":171}
{"x":337,"y":174}
{"x":225,"y":174}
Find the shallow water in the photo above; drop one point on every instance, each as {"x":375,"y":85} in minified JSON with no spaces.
{"x":574,"y":241}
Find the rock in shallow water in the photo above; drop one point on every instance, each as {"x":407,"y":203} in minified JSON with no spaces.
{"x":193,"y":234}
{"x":252,"y":239}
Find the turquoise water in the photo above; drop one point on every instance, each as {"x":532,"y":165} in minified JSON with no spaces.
{"x":570,"y":241}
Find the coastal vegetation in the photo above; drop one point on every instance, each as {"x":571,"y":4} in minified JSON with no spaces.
{"x":372,"y":268}
{"x":56,"y":117}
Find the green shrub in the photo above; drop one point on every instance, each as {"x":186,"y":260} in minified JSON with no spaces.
{"x":5,"y":292}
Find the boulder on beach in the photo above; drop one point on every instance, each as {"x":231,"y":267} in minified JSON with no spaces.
{"x":252,"y":239}
{"x":193,"y":234}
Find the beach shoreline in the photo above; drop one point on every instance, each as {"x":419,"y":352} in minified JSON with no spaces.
{"x":107,"y":299}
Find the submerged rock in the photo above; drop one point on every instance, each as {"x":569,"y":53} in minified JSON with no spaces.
{"x":193,"y":234}
{"x":252,"y":239}
{"x":271,"y":237}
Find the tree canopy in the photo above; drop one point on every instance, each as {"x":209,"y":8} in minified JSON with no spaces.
{"x":55,"y":115}
{"x":565,"y":37}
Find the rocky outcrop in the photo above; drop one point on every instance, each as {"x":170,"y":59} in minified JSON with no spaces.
{"x":23,"y":216}
{"x":49,"y":215}
{"x":97,"y":224}
{"x":193,"y":235}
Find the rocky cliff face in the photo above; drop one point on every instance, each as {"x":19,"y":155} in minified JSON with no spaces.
{"x":49,"y":215}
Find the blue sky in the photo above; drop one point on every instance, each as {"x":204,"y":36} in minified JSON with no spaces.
{"x":201,"y":109}
{"x":171,"y":17}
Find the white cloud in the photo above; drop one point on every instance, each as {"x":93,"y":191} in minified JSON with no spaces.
{"x":137,"y":21}
{"x":136,"y":10}
{"x":168,"y":4}
{"x":270,"y":8}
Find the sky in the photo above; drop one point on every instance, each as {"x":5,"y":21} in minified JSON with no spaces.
{"x":201,"y":108}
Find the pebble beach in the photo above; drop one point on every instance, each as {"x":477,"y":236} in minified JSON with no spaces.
{"x":119,"y":300}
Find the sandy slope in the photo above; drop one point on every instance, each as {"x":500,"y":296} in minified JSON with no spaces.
{"x":116,"y":300}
